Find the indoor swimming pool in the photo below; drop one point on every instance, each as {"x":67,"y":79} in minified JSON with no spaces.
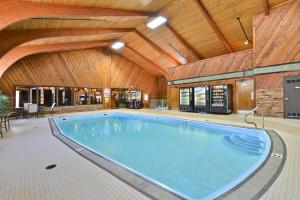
{"x":196,"y":160}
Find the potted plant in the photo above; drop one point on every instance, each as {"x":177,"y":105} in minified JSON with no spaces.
{"x":4,"y":103}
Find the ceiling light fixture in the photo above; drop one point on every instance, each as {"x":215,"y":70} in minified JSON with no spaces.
{"x":182,"y":57}
{"x":117,"y":45}
{"x":156,"y":22}
{"x":247,"y":41}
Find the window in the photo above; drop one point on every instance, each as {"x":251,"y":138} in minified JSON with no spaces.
{"x":22,"y":96}
{"x":47,"y":96}
{"x":62,"y":96}
{"x":87,"y":96}
{"x":65,"y":96}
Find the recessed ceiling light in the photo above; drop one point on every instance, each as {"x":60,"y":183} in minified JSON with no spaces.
{"x":117,"y":45}
{"x":156,"y":22}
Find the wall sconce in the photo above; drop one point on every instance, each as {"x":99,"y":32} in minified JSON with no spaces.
{"x":146,"y":97}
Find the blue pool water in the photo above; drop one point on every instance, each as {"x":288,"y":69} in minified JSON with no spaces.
{"x":194,"y":159}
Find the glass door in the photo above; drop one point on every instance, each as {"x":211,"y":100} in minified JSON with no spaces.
{"x":200,"y":96}
{"x":184,"y":96}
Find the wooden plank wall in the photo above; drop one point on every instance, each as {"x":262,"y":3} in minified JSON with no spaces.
{"x":81,"y":68}
{"x":238,"y":61}
{"x":277,"y":41}
{"x":162,"y":87}
{"x":277,"y":36}
{"x":125,"y":74}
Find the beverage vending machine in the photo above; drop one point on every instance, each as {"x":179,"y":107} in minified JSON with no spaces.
{"x":186,"y":99}
{"x":201,"y":99}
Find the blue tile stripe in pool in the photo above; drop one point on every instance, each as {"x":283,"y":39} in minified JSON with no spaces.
{"x":114,"y":135}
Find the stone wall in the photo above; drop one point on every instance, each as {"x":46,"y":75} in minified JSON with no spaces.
{"x":271,"y":100}
{"x":78,"y":108}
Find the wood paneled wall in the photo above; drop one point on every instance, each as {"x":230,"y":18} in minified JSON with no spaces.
{"x":277,"y":36}
{"x":81,"y":68}
{"x":276,"y":42}
{"x":162,"y":87}
{"x":270,"y":81}
{"x":238,"y":61}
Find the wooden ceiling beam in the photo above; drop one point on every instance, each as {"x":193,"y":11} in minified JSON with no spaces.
{"x":170,"y":57}
{"x":213,"y":25}
{"x":25,"y":50}
{"x":266,"y":7}
{"x":182,"y":40}
{"x":160,"y":69}
{"x":14,"y":38}
{"x":12,"y":11}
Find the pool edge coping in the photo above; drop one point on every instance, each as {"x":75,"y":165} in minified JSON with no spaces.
{"x":246,"y":187}
{"x":159,"y":192}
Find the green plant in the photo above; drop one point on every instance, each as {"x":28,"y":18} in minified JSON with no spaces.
{"x":4,"y":103}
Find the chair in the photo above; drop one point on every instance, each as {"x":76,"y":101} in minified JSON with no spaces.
{"x":25,"y":110}
{"x":6,"y":121}
{"x":1,"y":127}
{"x":33,"y":109}
{"x":26,"y":106}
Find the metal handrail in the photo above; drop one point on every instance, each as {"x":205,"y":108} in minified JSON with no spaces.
{"x":252,"y":111}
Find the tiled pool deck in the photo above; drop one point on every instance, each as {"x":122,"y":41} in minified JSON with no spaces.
{"x":30,"y":147}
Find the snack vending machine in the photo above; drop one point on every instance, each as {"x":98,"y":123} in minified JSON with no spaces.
{"x":221,"y":99}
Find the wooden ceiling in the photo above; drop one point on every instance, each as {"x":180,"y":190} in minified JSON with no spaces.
{"x":196,"y":29}
{"x":141,"y":5}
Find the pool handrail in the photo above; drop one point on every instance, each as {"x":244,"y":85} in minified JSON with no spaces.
{"x":253,"y":111}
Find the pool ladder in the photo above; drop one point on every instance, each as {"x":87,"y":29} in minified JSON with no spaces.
{"x":251,"y":112}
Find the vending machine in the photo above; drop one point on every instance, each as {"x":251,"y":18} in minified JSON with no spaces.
{"x":201,"y":99}
{"x":186,"y":99}
{"x":221,"y":99}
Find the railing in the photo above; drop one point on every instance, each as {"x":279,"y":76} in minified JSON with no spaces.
{"x":262,"y":117}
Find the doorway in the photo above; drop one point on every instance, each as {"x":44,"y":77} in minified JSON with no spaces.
{"x":291,"y":97}
{"x":245,"y":95}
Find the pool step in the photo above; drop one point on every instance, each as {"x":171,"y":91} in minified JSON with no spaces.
{"x":244,"y":142}
{"x":240,"y":139}
{"x":251,"y":138}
